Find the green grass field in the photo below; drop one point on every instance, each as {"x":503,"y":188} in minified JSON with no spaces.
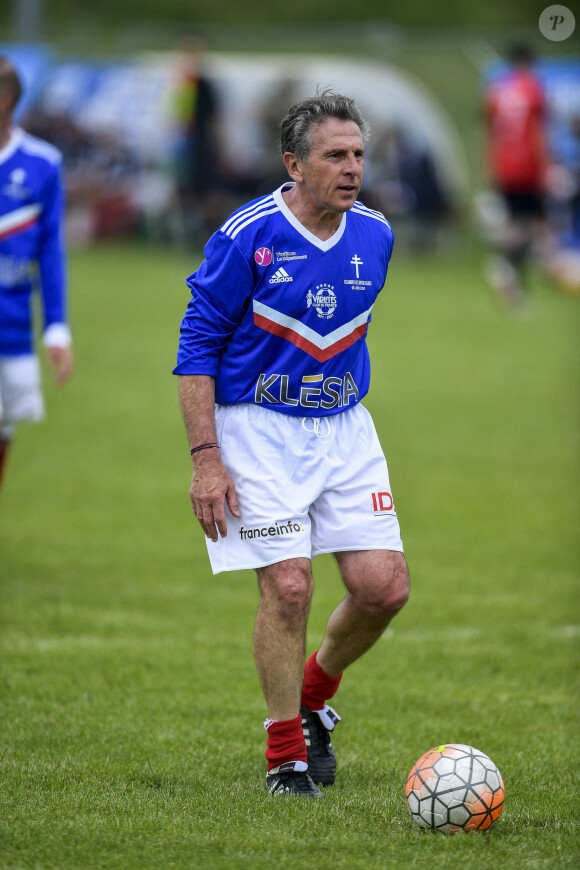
{"x":131,"y":711}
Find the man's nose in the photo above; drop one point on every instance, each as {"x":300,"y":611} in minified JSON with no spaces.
{"x":353,"y":164}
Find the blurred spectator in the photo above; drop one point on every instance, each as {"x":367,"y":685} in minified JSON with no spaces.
{"x":563,"y":204}
{"x":271,"y":172}
{"x":517,"y":163}
{"x":101,"y":174}
{"x":31,"y":255}
{"x":196,"y":144}
{"x":112,"y":173}
{"x":403,"y":183}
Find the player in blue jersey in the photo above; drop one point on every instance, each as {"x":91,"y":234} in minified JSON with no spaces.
{"x":31,"y":254}
{"x":272,"y":366}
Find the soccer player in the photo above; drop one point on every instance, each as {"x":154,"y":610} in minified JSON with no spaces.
{"x":31,"y":253}
{"x":517,"y":164}
{"x":273,"y":365}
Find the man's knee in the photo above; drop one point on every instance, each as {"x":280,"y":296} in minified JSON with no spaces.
{"x":398,"y":585}
{"x":287,"y":587}
{"x":379,"y":583}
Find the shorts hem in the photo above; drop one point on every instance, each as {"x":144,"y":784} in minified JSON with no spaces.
{"x":260,"y":563}
{"x":265,"y":564}
{"x":357,"y":549}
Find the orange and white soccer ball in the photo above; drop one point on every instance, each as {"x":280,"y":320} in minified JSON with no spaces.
{"x":454,"y":787}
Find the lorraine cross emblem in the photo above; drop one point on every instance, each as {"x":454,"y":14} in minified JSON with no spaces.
{"x":356,"y":262}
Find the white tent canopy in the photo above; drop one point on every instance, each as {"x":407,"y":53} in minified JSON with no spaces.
{"x":387,"y":97}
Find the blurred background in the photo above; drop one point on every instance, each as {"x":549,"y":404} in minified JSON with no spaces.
{"x":167,"y":113}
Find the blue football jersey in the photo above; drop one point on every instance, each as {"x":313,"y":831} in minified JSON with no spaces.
{"x":31,"y":244}
{"x":279,"y":317}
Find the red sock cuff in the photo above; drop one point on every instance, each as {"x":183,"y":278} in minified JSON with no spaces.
{"x":4,"y":445}
{"x":285,"y":741}
{"x":318,"y":687}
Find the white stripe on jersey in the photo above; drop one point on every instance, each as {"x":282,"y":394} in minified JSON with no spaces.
{"x":18,"y":219}
{"x":39,"y":148}
{"x":247,"y":215}
{"x":323,"y":342}
{"x":359,"y":208}
{"x":252,"y":219}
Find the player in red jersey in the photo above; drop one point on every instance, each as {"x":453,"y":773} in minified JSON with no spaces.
{"x":517,"y":164}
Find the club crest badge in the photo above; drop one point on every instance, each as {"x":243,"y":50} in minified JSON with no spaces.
{"x":323,"y":299}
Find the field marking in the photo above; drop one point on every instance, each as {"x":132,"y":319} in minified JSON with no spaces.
{"x":417,"y":635}
{"x":566,"y":631}
{"x":78,"y":641}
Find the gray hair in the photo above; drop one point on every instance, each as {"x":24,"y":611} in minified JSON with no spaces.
{"x":296,"y":127}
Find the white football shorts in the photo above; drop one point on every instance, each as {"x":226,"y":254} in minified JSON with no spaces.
{"x":305,"y":486}
{"x":20,"y":390}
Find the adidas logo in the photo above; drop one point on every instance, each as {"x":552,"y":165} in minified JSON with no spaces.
{"x":280,"y":277}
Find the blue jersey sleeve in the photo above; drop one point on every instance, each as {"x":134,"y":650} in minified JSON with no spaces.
{"x":51,"y":257}
{"x":221,"y":292}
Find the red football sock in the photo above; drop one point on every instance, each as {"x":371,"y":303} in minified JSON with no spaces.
{"x":4,"y":445}
{"x":318,"y":687}
{"x":285,"y":741}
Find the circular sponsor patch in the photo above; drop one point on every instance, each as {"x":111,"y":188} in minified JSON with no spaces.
{"x":263,"y":256}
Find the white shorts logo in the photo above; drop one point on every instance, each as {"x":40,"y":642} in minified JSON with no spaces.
{"x":270,"y":531}
{"x":383,"y":503}
{"x":324,"y":300}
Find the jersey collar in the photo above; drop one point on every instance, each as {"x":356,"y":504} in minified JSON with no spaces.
{"x":11,"y":145}
{"x":300,"y":228}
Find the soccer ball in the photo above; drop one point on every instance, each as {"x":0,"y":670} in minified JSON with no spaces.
{"x":454,"y":787}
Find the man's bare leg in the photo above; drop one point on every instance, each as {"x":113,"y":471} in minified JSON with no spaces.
{"x":377,"y":583}
{"x":279,"y":652}
{"x":5,"y":441}
{"x":280,"y":634}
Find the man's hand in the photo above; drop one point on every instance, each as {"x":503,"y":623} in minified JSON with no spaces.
{"x":211,"y":487}
{"x":60,"y":362}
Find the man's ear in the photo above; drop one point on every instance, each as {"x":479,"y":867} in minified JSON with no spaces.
{"x":293,"y":166}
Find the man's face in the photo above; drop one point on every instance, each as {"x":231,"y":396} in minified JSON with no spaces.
{"x":6,"y":107}
{"x":332,"y":174}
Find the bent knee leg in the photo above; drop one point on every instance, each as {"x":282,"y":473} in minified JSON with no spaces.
{"x":378,"y":582}
{"x":396,"y":584}
{"x":287,"y":587}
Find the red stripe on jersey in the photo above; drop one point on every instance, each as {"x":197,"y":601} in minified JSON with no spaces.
{"x":319,"y":354}
{"x":18,"y":228}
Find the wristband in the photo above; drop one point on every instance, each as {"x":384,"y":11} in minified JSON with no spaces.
{"x":202,"y":447}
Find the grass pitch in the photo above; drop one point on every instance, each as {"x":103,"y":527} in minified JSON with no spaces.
{"x":131,"y":711}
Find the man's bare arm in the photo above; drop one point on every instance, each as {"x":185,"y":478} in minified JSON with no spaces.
{"x":211,"y":485}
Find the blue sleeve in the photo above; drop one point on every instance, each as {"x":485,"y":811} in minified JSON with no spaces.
{"x":51,"y":257}
{"x":221,"y":291}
